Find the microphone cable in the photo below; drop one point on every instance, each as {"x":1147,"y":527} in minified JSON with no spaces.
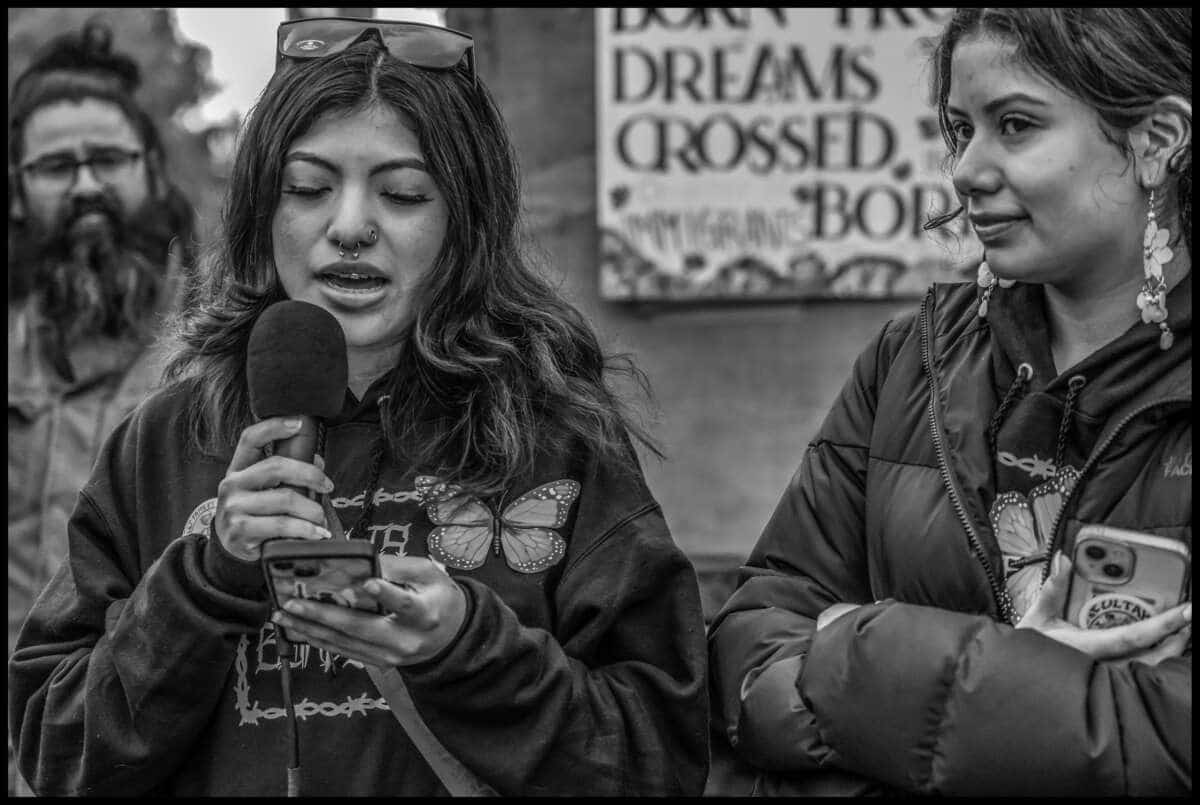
{"x":286,"y":652}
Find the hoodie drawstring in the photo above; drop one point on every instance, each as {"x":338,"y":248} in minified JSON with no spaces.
{"x":1016,"y":391}
{"x":1064,"y":426}
{"x":378,"y":450}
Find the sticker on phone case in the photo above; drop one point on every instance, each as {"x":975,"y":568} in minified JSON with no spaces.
{"x":1113,"y":609}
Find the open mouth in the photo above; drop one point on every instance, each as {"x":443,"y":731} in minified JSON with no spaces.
{"x":345,"y":281}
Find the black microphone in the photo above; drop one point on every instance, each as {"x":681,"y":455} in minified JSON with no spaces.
{"x":296,"y":366}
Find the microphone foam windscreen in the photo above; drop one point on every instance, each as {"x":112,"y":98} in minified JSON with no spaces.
{"x":296,"y":362}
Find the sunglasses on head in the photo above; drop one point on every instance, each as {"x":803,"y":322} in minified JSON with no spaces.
{"x":417,"y":43}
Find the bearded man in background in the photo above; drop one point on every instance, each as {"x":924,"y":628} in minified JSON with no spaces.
{"x":96,"y":246}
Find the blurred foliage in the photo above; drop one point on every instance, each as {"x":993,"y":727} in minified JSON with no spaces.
{"x":176,"y":77}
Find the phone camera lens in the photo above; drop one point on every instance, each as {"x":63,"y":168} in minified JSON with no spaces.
{"x":1113,"y":571}
{"x":306,"y":570}
{"x":282,"y":564}
{"x":1094,"y":552}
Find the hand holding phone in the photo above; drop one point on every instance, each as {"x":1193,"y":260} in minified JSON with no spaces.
{"x":425,"y":608}
{"x":1122,"y":576}
{"x":325,"y":571}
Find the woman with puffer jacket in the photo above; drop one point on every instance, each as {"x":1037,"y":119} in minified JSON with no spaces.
{"x":899,"y":626}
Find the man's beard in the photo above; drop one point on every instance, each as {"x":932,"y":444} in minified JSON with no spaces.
{"x":96,"y":269}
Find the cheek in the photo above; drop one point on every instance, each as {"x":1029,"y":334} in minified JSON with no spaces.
{"x":427,"y":236}
{"x":43,"y":208}
{"x":288,"y":248}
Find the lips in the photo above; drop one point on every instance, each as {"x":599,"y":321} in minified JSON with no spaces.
{"x":353,"y":277}
{"x":989,"y":226}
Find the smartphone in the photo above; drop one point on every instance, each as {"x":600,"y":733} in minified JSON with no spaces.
{"x":1123,"y":576}
{"x":319,"y":570}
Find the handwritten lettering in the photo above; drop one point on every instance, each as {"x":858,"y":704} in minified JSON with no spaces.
{"x":628,"y":20}
{"x":733,"y":74}
{"x":654,"y":142}
{"x":905,"y":17}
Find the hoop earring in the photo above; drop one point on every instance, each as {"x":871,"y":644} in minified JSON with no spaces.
{"x":1152,"y":298}
{"x":985,"y":279}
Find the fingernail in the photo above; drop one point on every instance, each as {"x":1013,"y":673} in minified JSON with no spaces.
{"x":373,"y":587}
{"x":1187,"y":613}
{"x":295,"y":607}
{"x":294,"y":423}
{"x":276,"y":617}
{"x":327,"y":486}
{"x":324,"y":533}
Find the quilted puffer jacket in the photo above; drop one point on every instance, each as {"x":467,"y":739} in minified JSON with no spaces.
{"x":926,"y":688}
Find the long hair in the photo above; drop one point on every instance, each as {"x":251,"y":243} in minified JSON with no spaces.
{"x":1119,"y":61}
{"x":495,"y":366}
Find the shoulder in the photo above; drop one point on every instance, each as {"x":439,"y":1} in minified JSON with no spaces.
{"x":164,"y":407}
{"x":955,"y":307}
{"x":949,"y":303}
{"x":611,"y":487}
{"x":155,"y":430}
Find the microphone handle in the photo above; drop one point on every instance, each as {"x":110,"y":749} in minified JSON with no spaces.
{"x":302,"y":447}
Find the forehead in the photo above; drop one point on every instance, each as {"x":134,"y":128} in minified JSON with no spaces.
{"x":985,"y":66}
{"x":71,"y":126}
{"x":365,"y":136}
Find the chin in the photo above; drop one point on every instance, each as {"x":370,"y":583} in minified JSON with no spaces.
{"x":1017,"y":269}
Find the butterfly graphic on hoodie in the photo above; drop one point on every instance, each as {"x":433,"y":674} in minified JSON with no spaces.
{"x":1023,"y":526}
{"x":525,"y":531}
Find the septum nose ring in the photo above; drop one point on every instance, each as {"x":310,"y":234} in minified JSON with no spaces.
{"x":372,"y":236}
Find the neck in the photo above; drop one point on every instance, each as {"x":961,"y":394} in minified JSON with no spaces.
{"x":1083,"y":319}
{"x":366,"y":365}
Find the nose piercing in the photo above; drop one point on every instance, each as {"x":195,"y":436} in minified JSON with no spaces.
{"x":372,"y":236}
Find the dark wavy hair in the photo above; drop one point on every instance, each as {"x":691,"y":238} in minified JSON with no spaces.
{"x":495,"y":366}
{"x":1119,"y":61}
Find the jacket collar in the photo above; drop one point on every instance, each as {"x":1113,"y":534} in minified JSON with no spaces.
{"x":954,"y":311}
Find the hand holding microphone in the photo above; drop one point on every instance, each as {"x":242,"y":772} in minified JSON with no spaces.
{"x":296,"y":371}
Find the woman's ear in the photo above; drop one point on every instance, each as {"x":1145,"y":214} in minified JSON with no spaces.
{"x":1161,"y":139}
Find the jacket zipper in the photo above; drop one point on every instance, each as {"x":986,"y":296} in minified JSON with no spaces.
{"x":999,"y":594}
{"x":1057,"y":531}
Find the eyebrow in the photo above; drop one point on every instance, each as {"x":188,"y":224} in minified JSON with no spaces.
{"x":391,"y":164}
{"x":89,"y":148}
{"x":994,"y":104}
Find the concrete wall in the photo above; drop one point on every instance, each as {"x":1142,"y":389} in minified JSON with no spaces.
{"x":739,"y":389}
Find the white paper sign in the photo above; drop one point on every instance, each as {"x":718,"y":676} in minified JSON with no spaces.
{"x":759,"y":153}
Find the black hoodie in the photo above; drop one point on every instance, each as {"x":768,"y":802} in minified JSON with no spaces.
{"x":148,"y":664}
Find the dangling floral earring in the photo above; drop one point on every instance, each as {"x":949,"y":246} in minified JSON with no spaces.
{"x":988,"y":281}
{"x":1152,"y":299}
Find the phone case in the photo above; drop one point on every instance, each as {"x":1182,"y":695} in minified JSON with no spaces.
{"x":1123,"y":576}
{"x":322,"y":570}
